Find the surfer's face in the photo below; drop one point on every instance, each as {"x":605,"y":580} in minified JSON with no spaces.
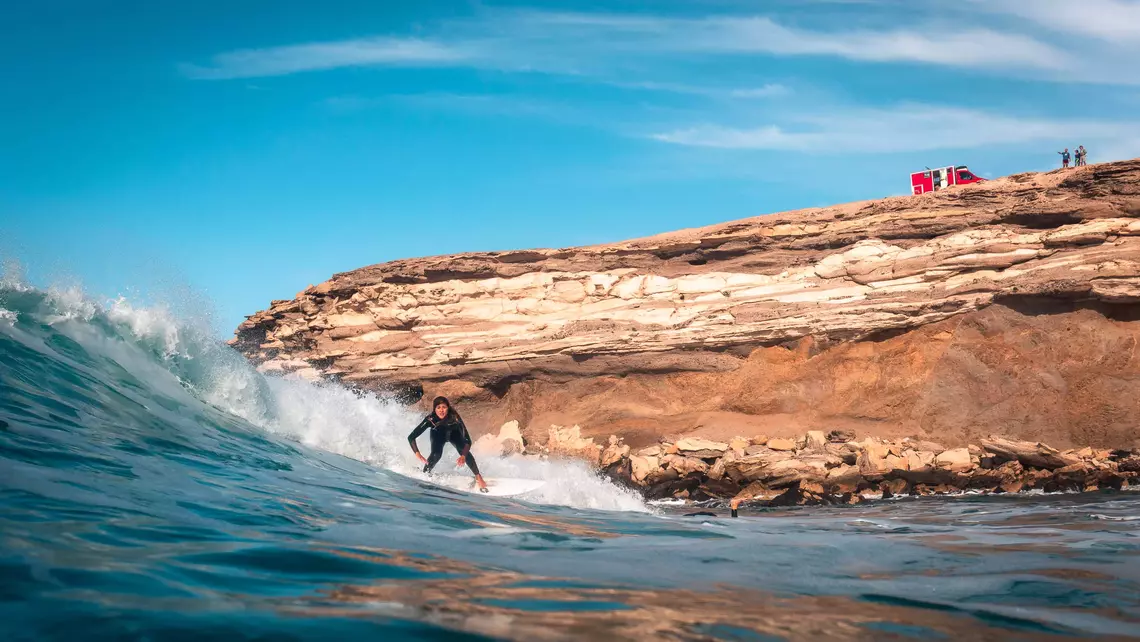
{"x":441,"y":410}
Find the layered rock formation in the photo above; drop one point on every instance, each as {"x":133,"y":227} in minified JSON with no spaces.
{"x":1010,"y":306}
{"x":819,"y":468}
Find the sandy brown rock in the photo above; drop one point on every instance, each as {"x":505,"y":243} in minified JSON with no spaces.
{"x":569,"y":442}
{"x":614,"y":452}
{"x":509,"y":441}
{"x":1033,"y":454}
{"x":806,"y":477}
{"x":701,"y":448}
{"x":957,"y":460}
{"x":685,"y":466}
{"x":781,"y":444}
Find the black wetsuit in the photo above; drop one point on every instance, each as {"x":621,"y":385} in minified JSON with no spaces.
{"x":449,"y":429}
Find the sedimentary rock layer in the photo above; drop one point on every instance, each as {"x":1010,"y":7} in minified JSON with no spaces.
{"x":823,"y":295}
{"x":820,"y":468}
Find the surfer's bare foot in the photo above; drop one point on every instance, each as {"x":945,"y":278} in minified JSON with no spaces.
{"x":482,"y":484}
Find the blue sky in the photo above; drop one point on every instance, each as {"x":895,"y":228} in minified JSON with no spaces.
{"x":242,"y":151}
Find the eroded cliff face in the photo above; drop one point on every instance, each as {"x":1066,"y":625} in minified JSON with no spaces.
{"x":1010,"y":306}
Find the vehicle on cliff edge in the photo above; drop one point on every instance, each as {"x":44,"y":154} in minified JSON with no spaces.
{"x":932,"y":180}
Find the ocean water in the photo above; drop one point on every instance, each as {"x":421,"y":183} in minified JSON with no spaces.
{"x":154,"y":486}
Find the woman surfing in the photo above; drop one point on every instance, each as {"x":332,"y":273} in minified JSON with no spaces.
{"x":446,"y":426}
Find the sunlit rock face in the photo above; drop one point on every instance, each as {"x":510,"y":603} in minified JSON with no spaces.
{"x":893,"y":316}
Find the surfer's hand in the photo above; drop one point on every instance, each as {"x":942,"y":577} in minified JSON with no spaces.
{"x":423,"y":460}
{"x":462,"y":460}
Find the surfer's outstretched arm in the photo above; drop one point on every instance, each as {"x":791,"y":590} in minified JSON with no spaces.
{"x":416,"y":432}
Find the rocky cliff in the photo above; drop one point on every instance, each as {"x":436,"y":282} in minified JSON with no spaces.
{"x":1011,"y":307}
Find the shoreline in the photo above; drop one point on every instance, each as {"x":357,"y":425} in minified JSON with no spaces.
{"x":828,"y":469}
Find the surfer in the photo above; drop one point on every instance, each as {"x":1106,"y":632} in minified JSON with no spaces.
{"x":446,"y":426}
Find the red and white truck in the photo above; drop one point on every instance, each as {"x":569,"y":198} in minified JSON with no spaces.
{"x":932,"y":180}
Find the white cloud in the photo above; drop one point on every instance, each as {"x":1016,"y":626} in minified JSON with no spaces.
{"x":762,"y":35}
{"x":767,"y":90}
{"x":904,"y":129}
{"x":1116,"y":21}
{"x":568,"y":42}
{"x":279,"y":61}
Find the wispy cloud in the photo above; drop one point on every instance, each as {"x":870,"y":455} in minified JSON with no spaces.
{"x":903,"y":129}
{"x":766,"y":90}
{"x":1116,"y":21}
{"x":971,"y":47}
{"x":279,"y":61}
{"x":570,"y":42}
{"x":482,"y":104}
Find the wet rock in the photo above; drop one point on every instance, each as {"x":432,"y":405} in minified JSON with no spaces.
{"x":701,"y":448}
{"x":1079,"y":476}
{"x":621,"y":473}
{"x":894,"y":487}
{"x":985,"y":479}
{"x":715,"y":488}
{"x":1129,"y":464}
{"x":614,"y":452}
{"x":751,"y":494}
{"x":661,"y":476}
{"x":802,"y":494}
{"x":1111,"y":479}
{"x":843,"y":479}
{"x":1030,"y":454}
{"x":671,"y":488}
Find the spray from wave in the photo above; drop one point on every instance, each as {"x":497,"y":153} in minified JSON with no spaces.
{"x":181,"y":358}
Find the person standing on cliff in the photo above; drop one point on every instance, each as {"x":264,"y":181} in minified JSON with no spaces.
{"x":1064,"y":158}
{"x":1082,"y":156}
{"x":446,"y":427}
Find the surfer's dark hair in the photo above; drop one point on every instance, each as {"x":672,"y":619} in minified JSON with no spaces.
{"x":451,"y":411}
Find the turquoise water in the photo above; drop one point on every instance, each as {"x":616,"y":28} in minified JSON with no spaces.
{"x":153,"y":486}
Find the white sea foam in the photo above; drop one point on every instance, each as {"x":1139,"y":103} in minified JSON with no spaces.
{"x":373,"y":430}
{"x":150,"y":340}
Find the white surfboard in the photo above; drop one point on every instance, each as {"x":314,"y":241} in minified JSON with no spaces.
{"x":496,"y":486}
{"x":508,"y":486}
